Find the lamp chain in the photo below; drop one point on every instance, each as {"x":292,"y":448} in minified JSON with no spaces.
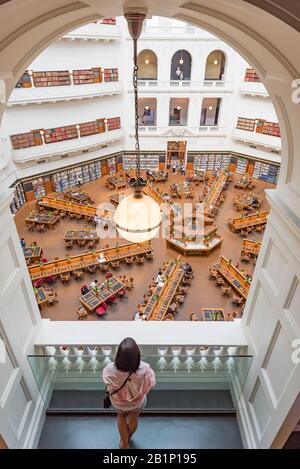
{"x":136,"y":103}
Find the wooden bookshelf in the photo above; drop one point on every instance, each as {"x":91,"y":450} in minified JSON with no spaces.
{"x":271,"y":128}
{"x":28,"y":139}
{"x":245,"y":124}
{"x":111,"y":74}
{"x":108,"y":21}
{"x":91,"y":128}
{"x":51,"y":78}
{"x":24,"y":81}
{"x":251,"y":75}
{"x":59,"y":134}
{"x":87,"y":76}
{"x":113,"y":123}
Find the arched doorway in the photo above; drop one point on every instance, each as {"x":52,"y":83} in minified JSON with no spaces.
{"x":147,"y":63}
{"x":215,"y":66}
{"x":181,"y":65}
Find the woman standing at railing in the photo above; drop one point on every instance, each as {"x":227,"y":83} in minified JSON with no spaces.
{"x":128,"y":381}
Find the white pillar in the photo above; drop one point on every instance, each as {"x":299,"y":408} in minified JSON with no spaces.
{"x":21,"y":408}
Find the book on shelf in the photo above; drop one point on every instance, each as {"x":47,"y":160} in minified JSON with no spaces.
{"x":111,"y":74}
{"x":113,"y":123}
{"x":271,"y":128}
{"x":25,"y":140}
{"x":245,"y":124}
{"x":251,"y":75}
{"x":59,"y":134}
{"x":88,"y":76}
{"x":108,"y":21}
{"x":51,"y":78}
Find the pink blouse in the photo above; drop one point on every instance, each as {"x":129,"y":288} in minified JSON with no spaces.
{"x":132,"y":395}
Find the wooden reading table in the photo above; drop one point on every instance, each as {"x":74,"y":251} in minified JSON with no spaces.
{"x":233,"y":276}
{"x":41,"y":297}
{"x":213,"y":314}
{"x":107,"y":289}
{"x":71,"y":207}
{"x":118,"y":182}
{"x":81,"y":261}
{"x":77,"y":195}
{"x":251,"y":247}
{"x":81,"y":235}
{"x":214,"y":193}
{"x":249,"y":221}
{"x":244,"y":181}
{"x":47,"y":219}
{"x":32,"y":253}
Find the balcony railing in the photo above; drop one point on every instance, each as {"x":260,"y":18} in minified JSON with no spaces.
{"x":208,"y":86}
{"x":254,"y":89}
{"x":66,"y":147}
{"x":23,"y":96}
{"x":94,"y":31}
{"x":74,"y":370}
{"x":184,"y":130}
{"x":257,"y":139}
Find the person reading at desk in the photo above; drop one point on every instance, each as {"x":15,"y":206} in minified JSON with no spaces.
{"x":160,"y":279}
{"x":94,"y":285}
{"x":140,"y":316}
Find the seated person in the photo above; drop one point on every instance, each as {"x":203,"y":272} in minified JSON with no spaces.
{"x":84,"y":289}
{"x":94,"y":285}
{"x":194,"y":317}
{"x":160,"y":277}
{"x":139,"y":316}
{"x":187,"y":268}
{"x":23,"y":243}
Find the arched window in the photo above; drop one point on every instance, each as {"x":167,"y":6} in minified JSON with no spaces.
{"x":215,"y":66}
{"x":147,"y":63}
{"x":181,"y":65}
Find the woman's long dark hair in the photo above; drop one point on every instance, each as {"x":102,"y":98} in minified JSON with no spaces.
{"x":128,"y":356}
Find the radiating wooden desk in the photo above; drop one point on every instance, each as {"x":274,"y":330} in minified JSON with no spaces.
{"x":71,"y":207}
{"x":251,"y":247}
{"x":214,"y":193}
{"x":249,"y":221}
{"x":162,"y":297}
{"x":81,"y":261}
{"x":233,"y":276}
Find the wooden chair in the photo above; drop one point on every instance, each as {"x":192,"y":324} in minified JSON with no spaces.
{"x":30,"y":226}
{"x":62,"y":214}
{"x":81,"y":243}
{"x":72,"y":215}
{"x":91,"y":244}
{"x":91,"y":269}
{"x":129,"y":260}
{"x":65,"y":277}
{"x":69,"y":244}
{"x":40,"y":227}
{"x":149,"y":256}
{"x":52,"y":298}
{"x":226,"y":291}
{"x":237,"y":300}
{"x":78,"y":274}
{"x":103,"y":266}
{"x":186,"y":281}
{"x":245,"y":257}
{"x":220,"y":281}
{"x":179,"y":299}
{"x":140,"y":260}
{"x":213,"y":273}
{"x":81,"y":313}
{"x":115,"y":265}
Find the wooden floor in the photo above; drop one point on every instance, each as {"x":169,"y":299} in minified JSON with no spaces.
{"x":202,"y":293}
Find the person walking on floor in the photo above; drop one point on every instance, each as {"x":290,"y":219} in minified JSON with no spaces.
{"x":128,"y":381}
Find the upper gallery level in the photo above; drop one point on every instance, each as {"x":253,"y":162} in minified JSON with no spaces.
{"x":44,"y":86}
{"x":105,"y":30}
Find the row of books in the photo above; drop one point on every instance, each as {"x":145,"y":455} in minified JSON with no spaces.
{"x":258,"y":125}
{"x":211,"y":162}
{"x":58,"y":134}
{"x":63,"y":77}
{"x":251,"y":75}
